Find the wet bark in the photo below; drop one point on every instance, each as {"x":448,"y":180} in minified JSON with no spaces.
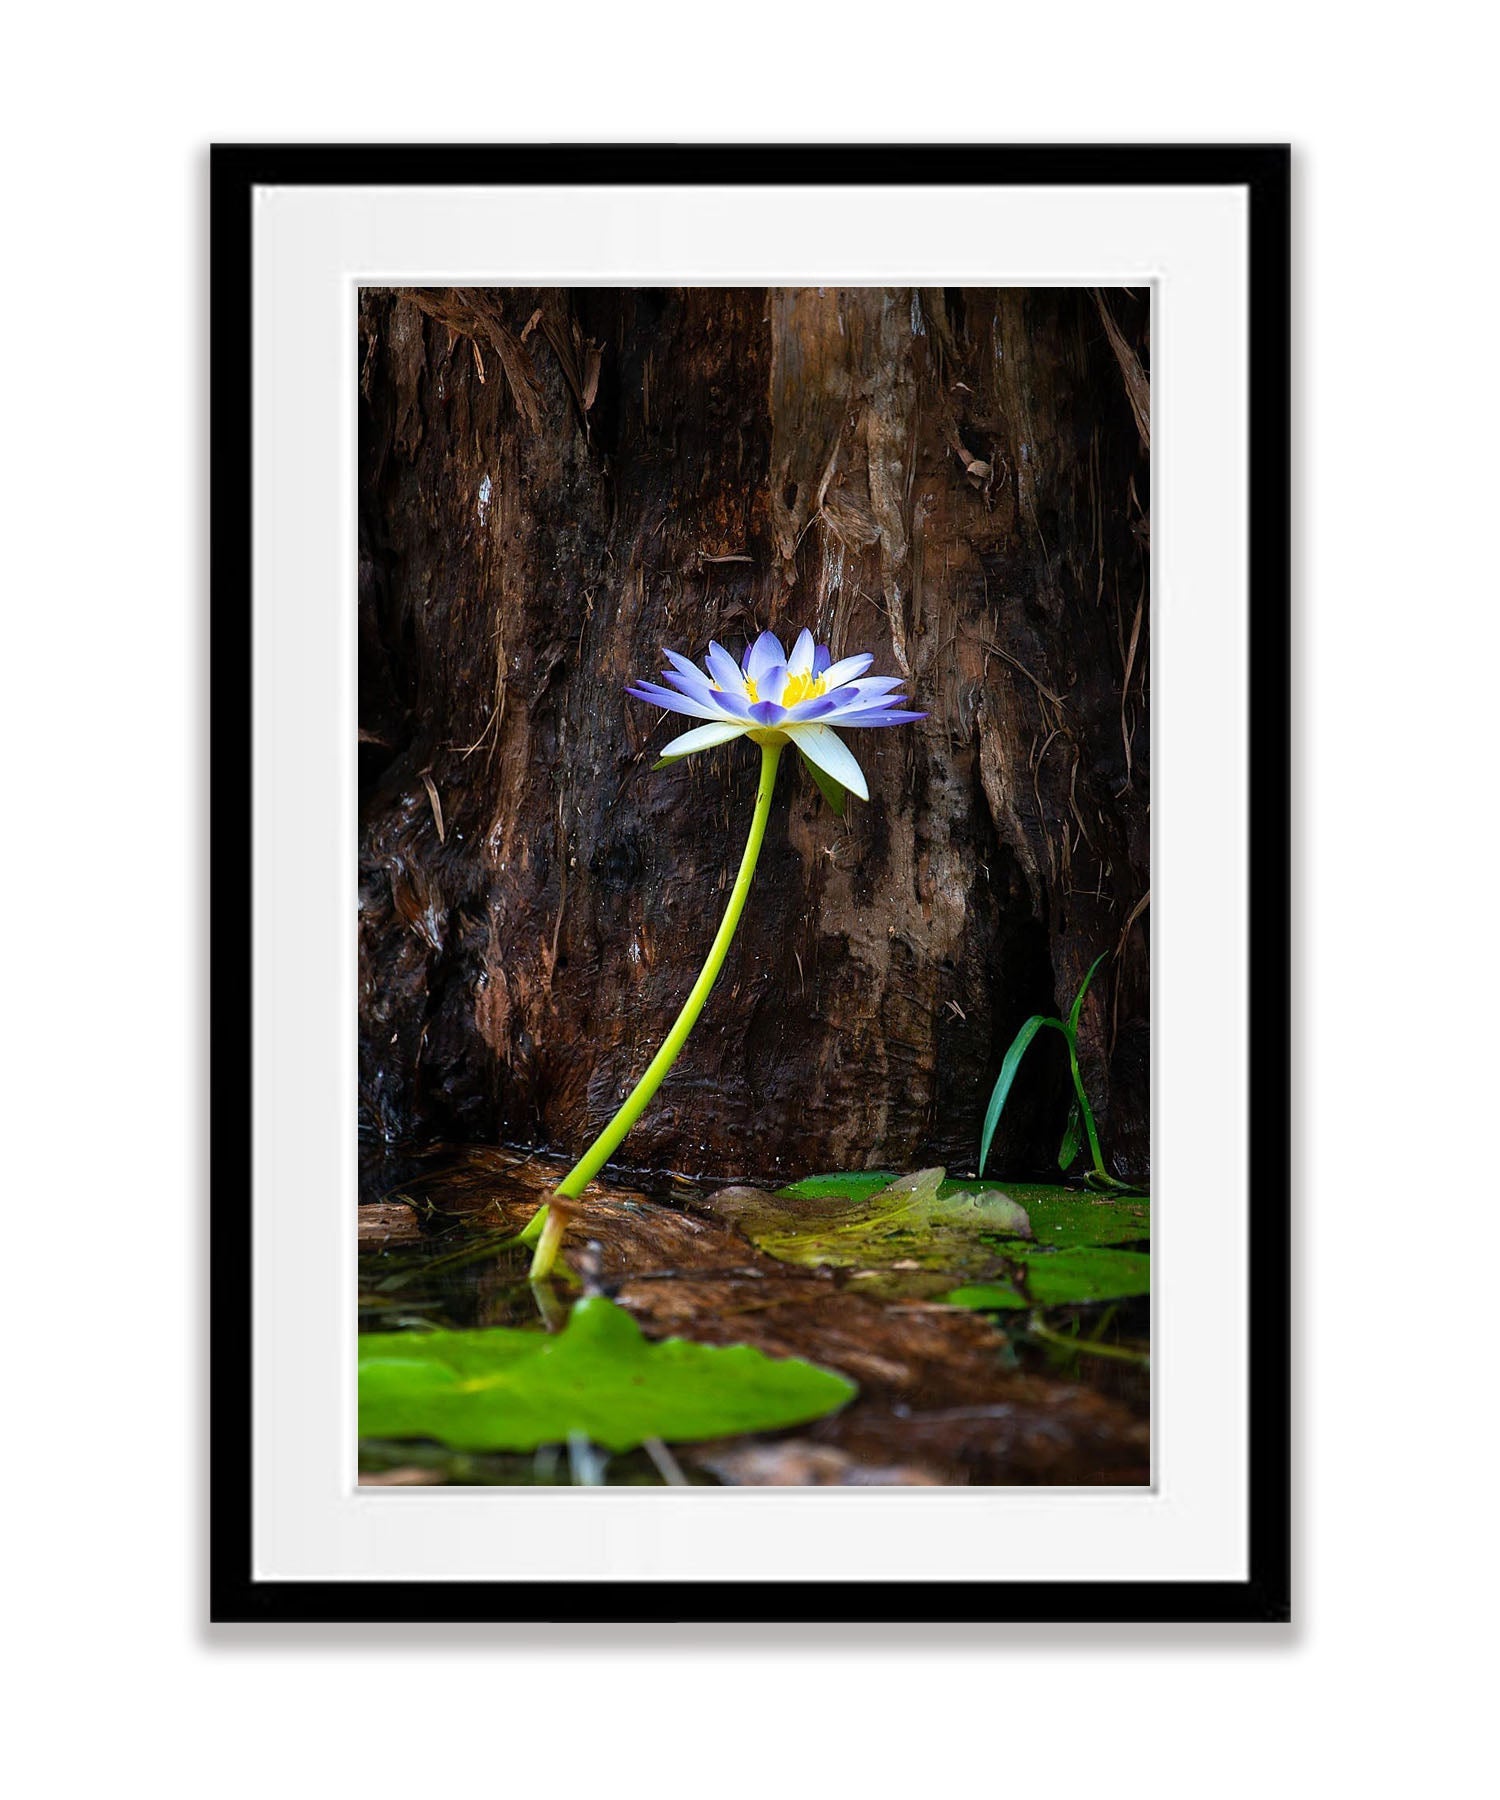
{"x":554,"y":485}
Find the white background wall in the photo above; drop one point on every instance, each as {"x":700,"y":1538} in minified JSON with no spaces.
{"x":1380,"y":1685}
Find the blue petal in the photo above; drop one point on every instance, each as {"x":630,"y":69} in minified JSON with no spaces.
{"x":858,"y":703}
{"x":773,"y":684}
{"x":813,"y":709}
{"x":696,"y":687}
{"x":849,"y":700}
{"x":724,"y":669}
{"x":874,"y":685}
{"x":800,"y":661}
{"x":682,"y":665}
{"x":822,"y":659}
{"x":765,"y":654}
{"x":840,"y":672}
{"x":767,"y":712}
{"x":853,"y":721}
{"x":670,"y":702}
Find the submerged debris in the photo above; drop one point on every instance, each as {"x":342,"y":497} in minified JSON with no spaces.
{"x":388,"y":1222}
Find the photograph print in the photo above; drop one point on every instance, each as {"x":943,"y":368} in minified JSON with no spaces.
{"x":754,"y":886}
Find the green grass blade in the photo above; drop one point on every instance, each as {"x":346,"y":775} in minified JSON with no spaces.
{"x":1077,"y":1012}
{"x":1071,"y":1139}
{"x":1007,"y":1075}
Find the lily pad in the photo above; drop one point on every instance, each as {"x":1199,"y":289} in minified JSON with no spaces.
{"x":909,"y":1226}
{"x":1064,"y":1217}
{"x":517,"y":1390}
{"x":924,"y":1237}
{"x":1065,"y":1278}
{"x":1059,"y":1216}
{"x":858,"y":1184}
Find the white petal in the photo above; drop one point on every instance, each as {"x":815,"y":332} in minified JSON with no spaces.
{"x":829,"y":751}
{"x":801,"y":660}
{"x":703,"y":737}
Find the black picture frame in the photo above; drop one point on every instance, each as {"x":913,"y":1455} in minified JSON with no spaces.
{"x":1263,"y":171}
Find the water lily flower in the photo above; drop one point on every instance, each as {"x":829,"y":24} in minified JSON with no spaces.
{"x":776,"y":699}
{"x":799,"y":697}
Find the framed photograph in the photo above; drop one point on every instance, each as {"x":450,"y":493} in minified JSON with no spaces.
{"x":750,"y":883}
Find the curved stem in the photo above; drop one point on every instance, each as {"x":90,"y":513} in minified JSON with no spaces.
{"x":608,"y":1141}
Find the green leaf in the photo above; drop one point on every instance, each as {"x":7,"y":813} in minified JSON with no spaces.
{"x":665,"y":762}
{"x":1067,"y":1277}
{"x":1077,"y":1012}
{"x":1071,"y":1139}
{"x":516,"y":1390}
{"x":834,"y":792}
{"x":1007,"y":1075}
{"x":1104,"y":1182}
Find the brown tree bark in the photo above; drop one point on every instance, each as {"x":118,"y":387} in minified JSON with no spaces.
{"x":556,"y":484}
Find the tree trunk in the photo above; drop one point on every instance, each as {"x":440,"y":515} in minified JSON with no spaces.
{"x":556,"y":484}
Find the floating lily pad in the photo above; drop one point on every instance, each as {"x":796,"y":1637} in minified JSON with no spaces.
{"x":909,"y":1227}
{"x":1064,"y":1217}
{"x":1067,"y":1277}
{"x":1059,"y":1216}
{"x":926,"y":1237}
{"x":516,"y":1390}
{"x":858,"y":1185}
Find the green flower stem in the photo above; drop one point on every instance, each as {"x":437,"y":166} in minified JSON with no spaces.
{"x":545,"y":1228}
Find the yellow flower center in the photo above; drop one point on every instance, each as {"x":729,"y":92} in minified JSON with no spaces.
{"x":799,"y":687}
{"x":803,"y":687}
